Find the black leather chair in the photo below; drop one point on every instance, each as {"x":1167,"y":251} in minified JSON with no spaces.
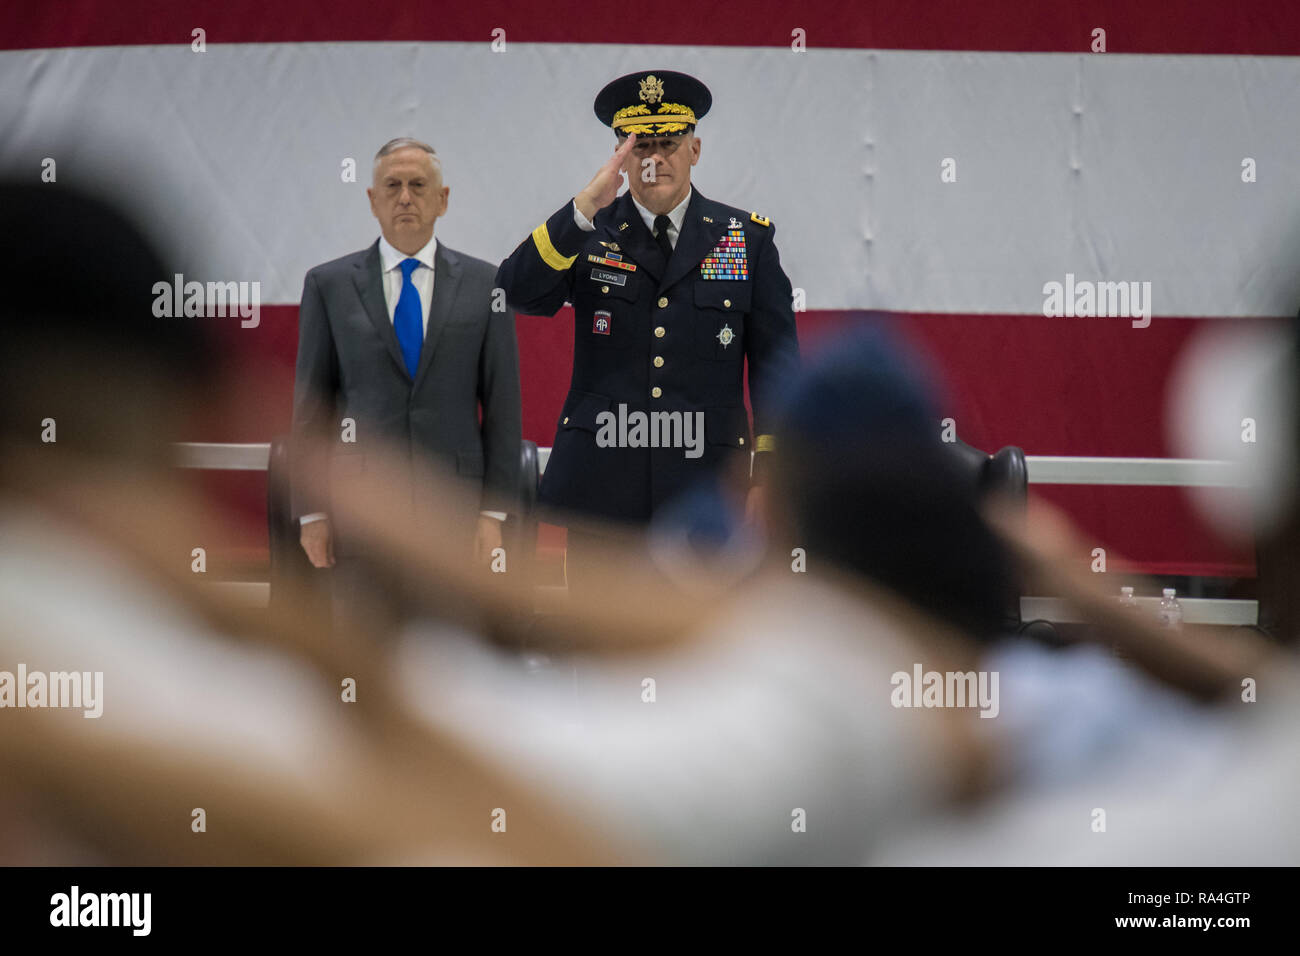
{"x":1004,"y":473}
{"x":289,"y":562}
{"x":519,"y":537}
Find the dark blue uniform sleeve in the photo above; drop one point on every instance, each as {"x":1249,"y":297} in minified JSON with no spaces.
{"x":538,"y":276}
{"x":771,"y":342}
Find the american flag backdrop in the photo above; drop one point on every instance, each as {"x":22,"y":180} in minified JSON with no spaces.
{"x":938,"y":160}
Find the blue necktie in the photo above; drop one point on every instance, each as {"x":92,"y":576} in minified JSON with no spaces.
{"x":407,"y":320}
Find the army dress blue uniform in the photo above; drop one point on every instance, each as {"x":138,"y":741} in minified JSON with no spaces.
{"x":656,"y":335}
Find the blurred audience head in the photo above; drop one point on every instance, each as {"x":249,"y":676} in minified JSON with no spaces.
{"x":864,"y":481}
{"x":88,"y":373}
{"x":1233,"y":396}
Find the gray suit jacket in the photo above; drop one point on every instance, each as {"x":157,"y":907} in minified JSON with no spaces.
{"x":350,"y":366}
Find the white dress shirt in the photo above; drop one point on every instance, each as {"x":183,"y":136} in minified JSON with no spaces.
{"x":675,"y":218}
{"x":390,"y":261}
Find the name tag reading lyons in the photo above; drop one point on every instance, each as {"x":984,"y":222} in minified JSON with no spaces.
{"x":613,"y":278}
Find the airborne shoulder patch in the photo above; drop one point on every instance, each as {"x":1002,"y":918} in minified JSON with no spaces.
{"x":761,"y":220}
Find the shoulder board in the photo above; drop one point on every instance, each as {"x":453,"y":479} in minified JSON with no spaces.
{"x":761,"y":220}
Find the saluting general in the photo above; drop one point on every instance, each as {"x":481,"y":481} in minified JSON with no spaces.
{"x":671,"y":293}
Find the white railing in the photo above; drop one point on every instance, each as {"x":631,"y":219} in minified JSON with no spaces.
{"x":1043,"y":470}
{"x":1180,"y":472}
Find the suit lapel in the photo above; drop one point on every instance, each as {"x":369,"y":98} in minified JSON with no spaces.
{"x":446,"y":280}
{"x":695,"y":240}
{"x":634,"y":241}
{"x":369,"y":280}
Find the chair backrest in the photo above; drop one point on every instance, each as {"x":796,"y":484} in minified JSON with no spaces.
{"x":520,"y":537}
{"x":1003,"y":472}
{"x":287,"y":559}
{"x":1006,"y":474}
{"x":529,"y":477}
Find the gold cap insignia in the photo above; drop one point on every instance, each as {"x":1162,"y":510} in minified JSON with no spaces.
{"x":652,"y":89}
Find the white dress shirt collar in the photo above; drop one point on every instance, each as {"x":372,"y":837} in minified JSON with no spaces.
{"x":675,"y":217}
{"x":390,"y":257}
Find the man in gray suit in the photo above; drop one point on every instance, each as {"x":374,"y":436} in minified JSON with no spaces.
{"x":398,"y":347}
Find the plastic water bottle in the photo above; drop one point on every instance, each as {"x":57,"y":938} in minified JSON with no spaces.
{"x":1171,"y":612}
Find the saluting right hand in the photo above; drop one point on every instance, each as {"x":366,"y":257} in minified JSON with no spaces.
{"x":603,"y":188}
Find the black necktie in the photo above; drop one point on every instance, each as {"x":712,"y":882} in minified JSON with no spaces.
{"x":661,"y":236}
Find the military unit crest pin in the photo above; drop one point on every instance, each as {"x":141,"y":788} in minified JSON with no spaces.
{"x":726,"y":336}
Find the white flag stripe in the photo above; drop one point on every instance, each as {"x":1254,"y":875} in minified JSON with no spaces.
{"x":1111,"y":167}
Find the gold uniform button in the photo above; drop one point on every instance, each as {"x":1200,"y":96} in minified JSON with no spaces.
{"x":727,"y":303}
{"x":566,"y":419}
{"x":660,"y":332}
{"x":656,"y":391}
{"x":604,"y":288}
{"x":659,"y":361}
{"x":742,"y":440}
{"x":663,"y":302}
